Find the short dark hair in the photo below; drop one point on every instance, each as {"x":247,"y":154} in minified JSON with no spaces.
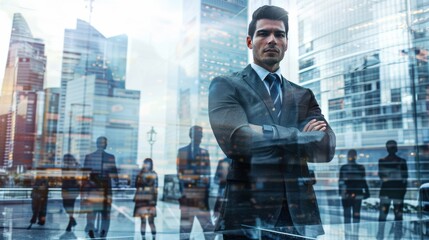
{"x":268,"y":12}
{"x":100,"y":139}
{"x":194,"y":129}
{"x":352,"y":153}
{"x":392,"y":146}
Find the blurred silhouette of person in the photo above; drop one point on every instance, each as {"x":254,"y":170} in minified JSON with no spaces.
{"x":352,"y":188}
{"x":70,"y":187}
{"x":98,"y":188}
{"x":220,"y":179}
{"x":146,"y":197}
{"x":393,"y":173}
{"x":39,"y":201}
{"x":193,"y":169}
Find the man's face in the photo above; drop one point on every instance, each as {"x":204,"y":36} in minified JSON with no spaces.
{"x":269,"y":43}
{"x":196,"y":137}
{"x":102,"y":143}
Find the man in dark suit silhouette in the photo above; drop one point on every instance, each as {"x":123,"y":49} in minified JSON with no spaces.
{"x":269,"y":141}
{"x":393,"y":173}
{"x":193,"y":169}
{"x":353,"y":188}
{"x":98,"y":188}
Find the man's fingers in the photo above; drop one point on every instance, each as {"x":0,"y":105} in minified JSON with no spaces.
{"x":319,"y":126}
{"x":307,"y":127}
{"x":315,"y":125}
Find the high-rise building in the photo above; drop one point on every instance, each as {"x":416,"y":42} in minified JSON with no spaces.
{"x":24,"y":77}
{"x":213,"y":43}
{"x":46,"y":130}
{"x":93,"y":100}
{"x":366,"y":62}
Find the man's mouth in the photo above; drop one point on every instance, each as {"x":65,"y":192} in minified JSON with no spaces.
{"x":272,"y":50}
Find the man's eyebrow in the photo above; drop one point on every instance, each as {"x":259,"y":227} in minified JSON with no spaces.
{"x":269,"y":30}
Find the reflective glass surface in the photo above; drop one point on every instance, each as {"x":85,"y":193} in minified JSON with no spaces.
{"x":154,"y":120}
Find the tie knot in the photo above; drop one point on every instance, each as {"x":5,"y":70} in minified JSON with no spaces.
{"x":272,"y":78}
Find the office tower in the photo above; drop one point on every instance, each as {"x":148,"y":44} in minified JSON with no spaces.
{"x":24,"y":77}
{"x":361,"y":60}
{"x":418,"y":70}
{"x":93,"y":100}
{"x":46,"y":130}
{"x":213,"y":44}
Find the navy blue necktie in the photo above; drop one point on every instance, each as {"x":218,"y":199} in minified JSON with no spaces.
{"x":274,"y":86}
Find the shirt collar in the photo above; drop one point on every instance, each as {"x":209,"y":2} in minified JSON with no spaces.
{"x":262,"y":72}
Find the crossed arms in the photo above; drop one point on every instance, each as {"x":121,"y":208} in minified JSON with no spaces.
{"x":237,"y":116}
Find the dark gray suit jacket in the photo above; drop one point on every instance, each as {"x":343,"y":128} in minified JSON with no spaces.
{"x":267,"y":171}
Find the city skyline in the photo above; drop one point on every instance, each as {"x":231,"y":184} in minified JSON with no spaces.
{"x":144,"y":49}
{"x":138,"y":73}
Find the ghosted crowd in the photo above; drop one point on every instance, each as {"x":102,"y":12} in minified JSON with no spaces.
{"x":94,"y":179}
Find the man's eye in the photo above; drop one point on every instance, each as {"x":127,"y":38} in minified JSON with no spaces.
{"x":280,"y":35}
{"x":263,"y":34}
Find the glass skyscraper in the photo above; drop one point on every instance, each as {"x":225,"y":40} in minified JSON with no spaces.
{"x":46,"y":122}
{"x":213,"y":44}
{"x":24,"y":77}
{"x":366,"y":62}
{"x":94,"y":101}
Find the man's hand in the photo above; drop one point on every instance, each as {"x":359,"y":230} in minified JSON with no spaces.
{"x":315,"y":125}
{"x":256,"y":128}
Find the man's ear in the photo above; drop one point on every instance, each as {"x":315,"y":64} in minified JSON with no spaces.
{"x":249,"y":42}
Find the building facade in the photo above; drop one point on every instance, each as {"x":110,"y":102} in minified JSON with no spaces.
{"x":46,"y":122}
{"x":93,"y":100}
{"x":24,"y":77}
{"x":213,"y":44}
{"x":366,"y":62}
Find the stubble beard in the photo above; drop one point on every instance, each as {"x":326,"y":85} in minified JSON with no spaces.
{"x":271,"y":62}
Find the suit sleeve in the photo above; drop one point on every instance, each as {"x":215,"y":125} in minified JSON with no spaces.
{"x":324,"y":150}
{"x":180,"y":170}
{"x":180,"y":165}
{"x":86,"y":162}
{"x":113,"y":173}
{"x":217,"y":173}
{"x":381,"y":171}
{"x":231,"y":128}
{"x":230,"y":124}
{"x":404,"y":171}
{"x":341,"y":182}
{"x":228,"y":119}
{"x":208,"y":168}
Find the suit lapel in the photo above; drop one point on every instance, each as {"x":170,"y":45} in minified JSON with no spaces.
{"x":253,"y":80}
{"x":289,"y":109}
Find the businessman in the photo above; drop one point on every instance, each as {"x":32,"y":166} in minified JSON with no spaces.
{"x":270,"y":128}
{"x":193,"y":170}
{"x":393,"y":173}
{"x":98,"y":188}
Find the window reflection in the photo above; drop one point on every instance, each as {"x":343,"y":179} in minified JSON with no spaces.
{"x":113,"y":69}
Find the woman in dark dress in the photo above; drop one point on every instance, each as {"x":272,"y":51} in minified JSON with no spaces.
{"x":146,"y":196}
{"x":70,"y":188}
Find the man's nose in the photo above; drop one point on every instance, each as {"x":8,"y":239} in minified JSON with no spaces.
{"x":272,"y":39}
